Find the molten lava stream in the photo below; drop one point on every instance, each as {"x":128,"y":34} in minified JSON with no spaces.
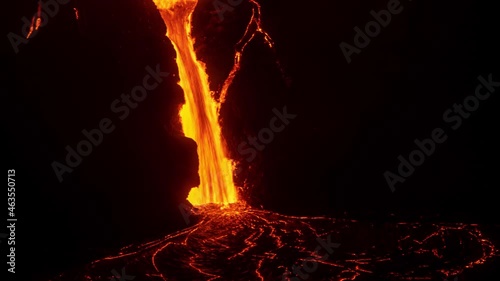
{"x":199,"y":113}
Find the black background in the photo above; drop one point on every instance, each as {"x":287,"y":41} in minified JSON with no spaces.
{"x":353,"y":120}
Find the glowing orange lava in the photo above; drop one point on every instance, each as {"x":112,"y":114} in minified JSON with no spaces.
{"x":199,"y":113}
{"x":36,"y":21}
{"x":253,"y":28}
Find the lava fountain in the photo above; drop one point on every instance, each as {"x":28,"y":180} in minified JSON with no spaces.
{"x":199,"y":113}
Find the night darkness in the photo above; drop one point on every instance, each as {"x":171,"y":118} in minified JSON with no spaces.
{"x":353,"y":116}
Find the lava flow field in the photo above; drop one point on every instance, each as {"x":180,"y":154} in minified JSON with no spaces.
{"x":241,"y":243}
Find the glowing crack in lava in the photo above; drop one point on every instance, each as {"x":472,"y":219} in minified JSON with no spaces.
{"x":199,"y":113}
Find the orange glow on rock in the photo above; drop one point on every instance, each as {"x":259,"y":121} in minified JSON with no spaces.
{"x":199,"y":115}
